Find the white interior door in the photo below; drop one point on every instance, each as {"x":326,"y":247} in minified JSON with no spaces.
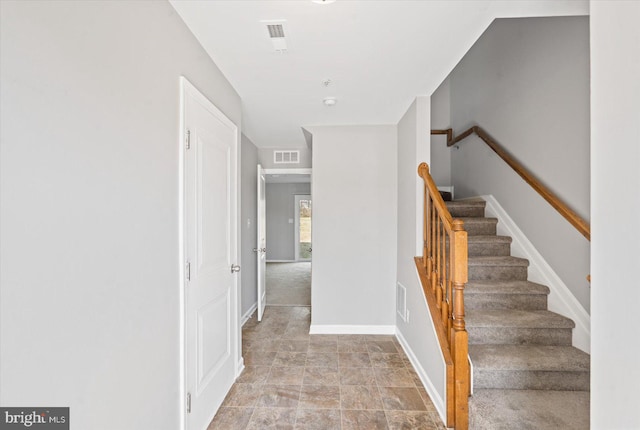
{"x":210,"y":249}
{"x":261,"y":246}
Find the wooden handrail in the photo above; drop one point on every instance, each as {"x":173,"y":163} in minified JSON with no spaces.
{"x":563,"y":209}
{"x":443,"y":273}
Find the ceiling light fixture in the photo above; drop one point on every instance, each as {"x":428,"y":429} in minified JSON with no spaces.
{"x":329,"y":101}
{"x":323,"y":1}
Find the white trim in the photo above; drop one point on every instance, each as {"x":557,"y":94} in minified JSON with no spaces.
{"x":438,"y":402}
{"x":282,"y":261}
{"x":182,"y":336}
{"x":561,"y":300}
{"x":352,"y":329}
{"x":305,"y":171}
{"x":247,"y":315}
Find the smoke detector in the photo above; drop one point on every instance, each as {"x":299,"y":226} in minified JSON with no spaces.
{"x":329,"y":101}
{"x":323,"y":1}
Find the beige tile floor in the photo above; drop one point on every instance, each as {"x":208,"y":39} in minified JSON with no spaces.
{"x":293,"y":380}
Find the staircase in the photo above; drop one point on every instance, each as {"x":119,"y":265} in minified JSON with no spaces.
{"x":526,"y":374}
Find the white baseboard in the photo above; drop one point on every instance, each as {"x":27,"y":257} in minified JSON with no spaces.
{"x":561,"y":300}
{"x":438,"y":401}
{"x":247,"y":314}
{"x":239,"y":366}
{"x":281,"y":261}
{"x":352,"y":329}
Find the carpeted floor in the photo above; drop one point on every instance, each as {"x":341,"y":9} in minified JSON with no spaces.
{"x":289,"y":284}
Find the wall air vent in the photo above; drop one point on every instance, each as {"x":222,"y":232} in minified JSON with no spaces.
{"x":276,"y":31}
{"x":286,"y":157}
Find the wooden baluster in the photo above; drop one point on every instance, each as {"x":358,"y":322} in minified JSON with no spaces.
{"x":433,"y":240}
{"x":425,"y":229}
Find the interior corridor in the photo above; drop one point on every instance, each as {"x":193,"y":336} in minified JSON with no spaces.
{"x":294,"y":380}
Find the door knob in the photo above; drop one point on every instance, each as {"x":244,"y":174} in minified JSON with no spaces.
{"x":235,"y":268}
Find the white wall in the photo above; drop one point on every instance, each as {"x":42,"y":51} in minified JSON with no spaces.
{"x":280,"y":200}
{"x":354,"y":226}
{"x":615,"y":197}
{"x":89,"y":268}
{"x":248,"y":228}
{"x":526,"y":82}
{"x":440,"y":165}
{"x":418,"y":331}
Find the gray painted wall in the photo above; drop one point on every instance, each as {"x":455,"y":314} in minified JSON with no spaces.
{"x":615,"y":192}
{"x":280,"y":209}
{"x":440,"y":165}
{"x":418,"y":331}
{"x":89,"y":177}
{"x":354,"y":225}
{"x":248,"y":229}
{"x":526,"y":81}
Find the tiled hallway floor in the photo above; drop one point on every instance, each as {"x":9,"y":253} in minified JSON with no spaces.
{"x":293,"y":380}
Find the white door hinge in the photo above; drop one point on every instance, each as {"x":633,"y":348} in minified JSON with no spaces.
{"x":187,"y":270}
{"x":187,"y":139}
{"x":188,"y":403}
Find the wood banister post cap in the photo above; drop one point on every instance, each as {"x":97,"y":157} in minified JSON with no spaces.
{"x":423,"y":168}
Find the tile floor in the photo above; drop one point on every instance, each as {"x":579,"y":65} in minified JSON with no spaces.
{"x":293,"y":380}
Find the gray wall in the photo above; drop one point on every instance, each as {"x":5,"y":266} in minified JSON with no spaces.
{"x":248,"y":229}
{"x":280,"y":209}
{"x":89,"y":175}
{"x":440,"y":165}
{"x":417,"y":331}
{"x":526,"y":81}
{"x":615,"y":193}
{"x":354,"y":226}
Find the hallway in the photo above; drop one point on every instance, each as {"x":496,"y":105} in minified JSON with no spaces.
{"x":293,"y":380}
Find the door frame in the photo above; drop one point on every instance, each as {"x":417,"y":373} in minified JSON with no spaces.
{"x":187,"y":87}
{"x":296,"y":223}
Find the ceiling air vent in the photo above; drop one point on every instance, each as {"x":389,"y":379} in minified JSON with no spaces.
{"x":286,"y":157}
{"x":275,"y":30}
{"x":276,"y":34}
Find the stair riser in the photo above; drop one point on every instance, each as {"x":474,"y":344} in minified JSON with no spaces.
{"x":529,"y":302}
{"x":498,"y":273}
{"x":519,"y":336}
{"x":531,"y":380}
{"x":480,"y":228}
{"x":483,"y":249}
{"x":466,"y":211}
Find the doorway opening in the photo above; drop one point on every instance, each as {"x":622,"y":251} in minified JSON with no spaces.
{"x":288,"y":237}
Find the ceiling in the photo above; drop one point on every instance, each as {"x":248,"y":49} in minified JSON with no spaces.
{"x":378,"y":54}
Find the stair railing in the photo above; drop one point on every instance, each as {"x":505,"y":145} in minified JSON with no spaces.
{"x":443,"y":272}
{"x":581,"y":225}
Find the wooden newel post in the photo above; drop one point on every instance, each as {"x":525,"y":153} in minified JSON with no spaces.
{"x":459,"y":336}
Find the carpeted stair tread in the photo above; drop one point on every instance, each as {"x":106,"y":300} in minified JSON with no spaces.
{"x":489,"y":239}
{"x":504,"y":287}
{"x":529,"y":357}
{"x":479,"y":226}
{"x":528,"y":409}
{"x":498,"y":261}
{"x":466,"y":208}
{"x":516,"y":318}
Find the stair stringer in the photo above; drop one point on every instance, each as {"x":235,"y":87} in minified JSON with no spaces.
{"x":560,"y":300}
